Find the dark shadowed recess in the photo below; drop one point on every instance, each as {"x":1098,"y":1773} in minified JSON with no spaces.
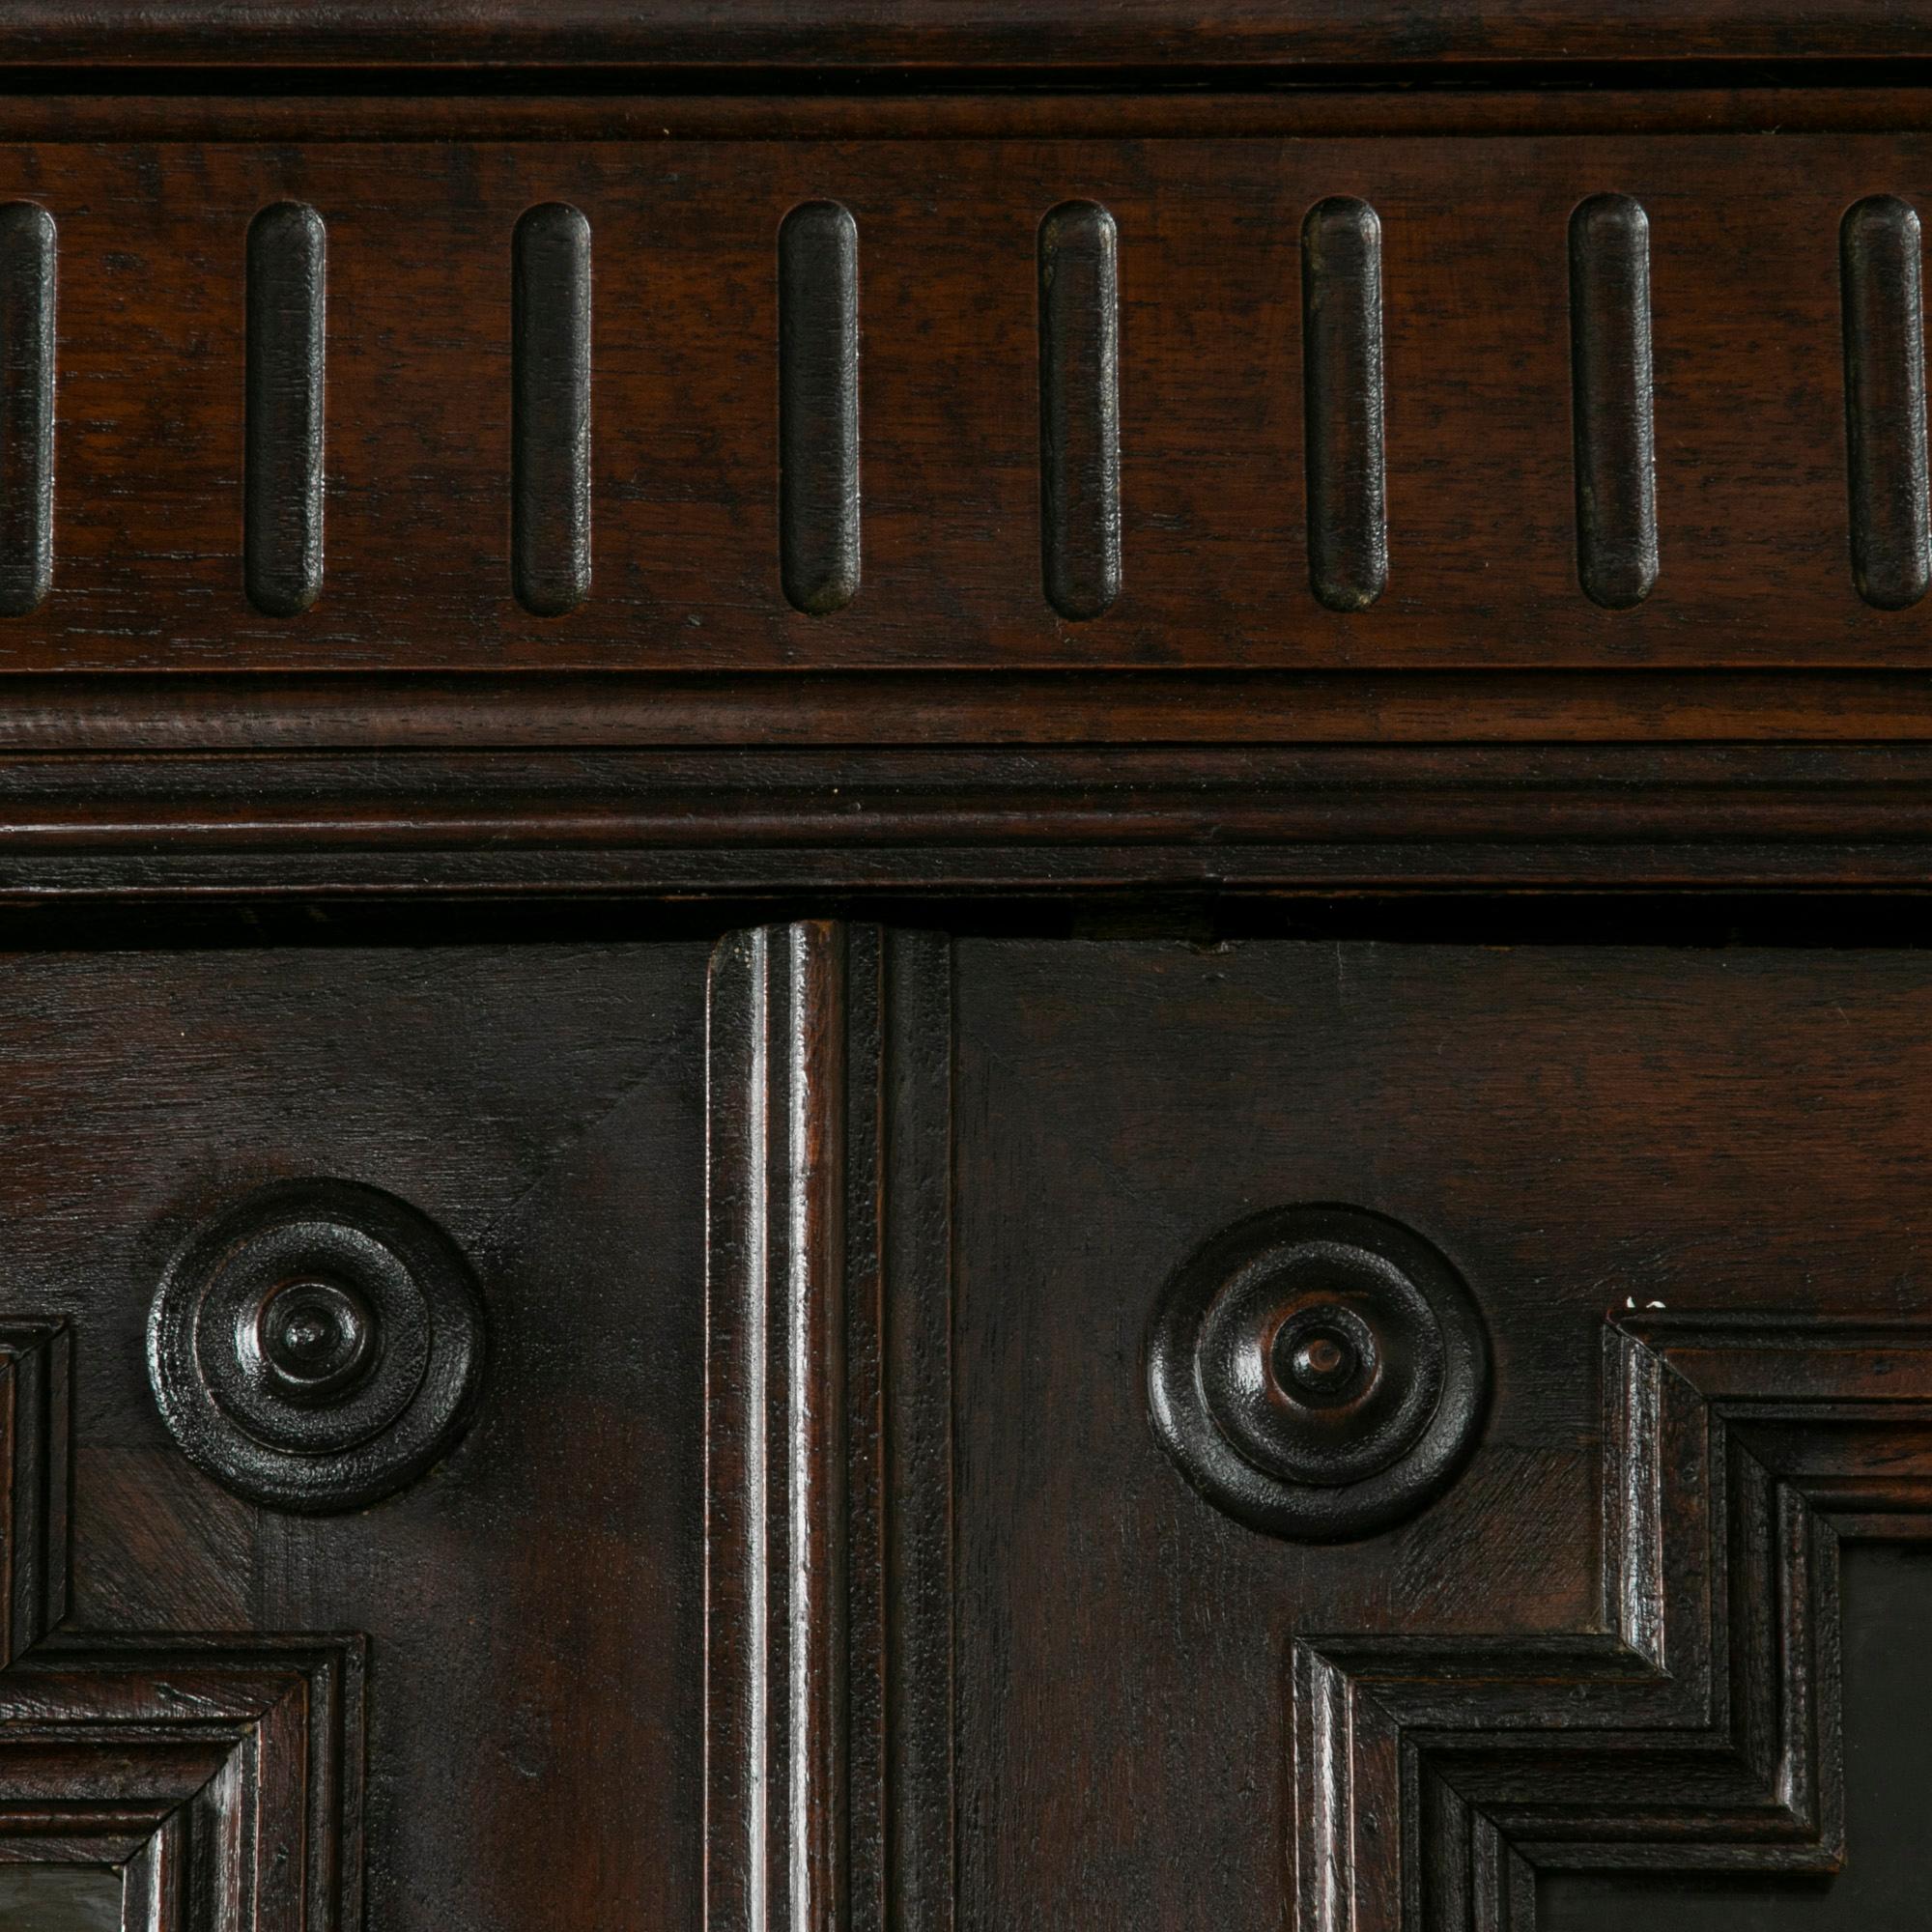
{"x":58,"y":1899}
{"x":1823,"y":920}
{"x":1887,"y":1614}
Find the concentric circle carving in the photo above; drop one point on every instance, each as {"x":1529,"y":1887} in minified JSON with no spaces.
{"x":317,"y":1346}
{"x":1318,"y":1371}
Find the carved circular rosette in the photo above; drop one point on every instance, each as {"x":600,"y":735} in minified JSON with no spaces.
{"x":1318,"y":1371}
{"x":317,"y":1346}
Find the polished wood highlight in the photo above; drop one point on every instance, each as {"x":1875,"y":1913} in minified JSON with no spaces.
{"x":1054,"y":1050}
{"x":550,"y":422}
{"x":1080,"y":409}
{"x":828,"y":1609}
{"x":287,"y":301}
{"x":27,"y":355}
{"x":1616,"y":439}
{"x":317,"y":1346}
{"x":776,"y":1436}
{"x":1885,"y":402}
{"x":1318,"y":1371}
{"x":818,"y":408}
{"x":1341,"y":391}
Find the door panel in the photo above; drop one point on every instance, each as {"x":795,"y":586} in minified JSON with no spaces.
{"x":836,"y":1537}
{"x":1146,"y":1684}
{"x":527,"y":1613}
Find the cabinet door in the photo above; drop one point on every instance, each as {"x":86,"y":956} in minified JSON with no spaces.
{"x":302,"y":1683}
{"x":1363,"y":1436}
{"x":859,"y":1429}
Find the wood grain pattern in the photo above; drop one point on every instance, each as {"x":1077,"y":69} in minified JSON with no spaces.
{"x":728,"y":34}
{"x":222,"y":1774}
{"x":1702,"y":1730}
{"x":1576,"y":1127}
{"x":534,"y":1605}
{"x":1751,"y":483}
{"x":1272,"y":421}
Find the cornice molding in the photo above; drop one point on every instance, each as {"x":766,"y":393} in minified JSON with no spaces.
{"x":744,"y":822}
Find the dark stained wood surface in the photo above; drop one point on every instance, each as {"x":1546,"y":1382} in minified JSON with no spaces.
{"x":976,"y":1624}
{"x":1165,"y":34}
{"x":1576,"y":1130}
{"x":1751,"y":488}
{"x":769,"y":460}
{"x":533,"y":1608}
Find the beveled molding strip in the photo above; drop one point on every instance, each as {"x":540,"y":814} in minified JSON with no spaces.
{"x":1616,"y":445}
{"x":283,"y":489}
{"x":828,"y":1592}
{"x":884,"y":710}
{"x":923,"y":34}
{"x":27,"y":278}
{"x":735,"y":824}
{"x":549,"y":412}
{"x":1341,"y":389}
{"x":818,"y":408}
{"x":1702,"y":106}
{"x":1080,"y":409}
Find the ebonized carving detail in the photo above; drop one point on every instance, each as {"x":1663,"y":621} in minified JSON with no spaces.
{"x":1318,"y":1371}
{"x":222,"y":1774}
{"x":549,"y":415}
{"x":316,"y":1346}
{"x":1080,"y":409}
{"x":1879,"y":248}
{"x":282,"y":537}
{"x":27,"y":278}
{"x":1616,"y":439}
{"x":1341,"y":389}
{"x":1699,"y":1729}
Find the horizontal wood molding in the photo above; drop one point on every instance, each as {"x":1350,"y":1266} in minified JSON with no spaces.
{"x":1221,"y":402}
{"x":973,"y":490}
{"x":772,"y":822}
{"x":730,"y":34}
